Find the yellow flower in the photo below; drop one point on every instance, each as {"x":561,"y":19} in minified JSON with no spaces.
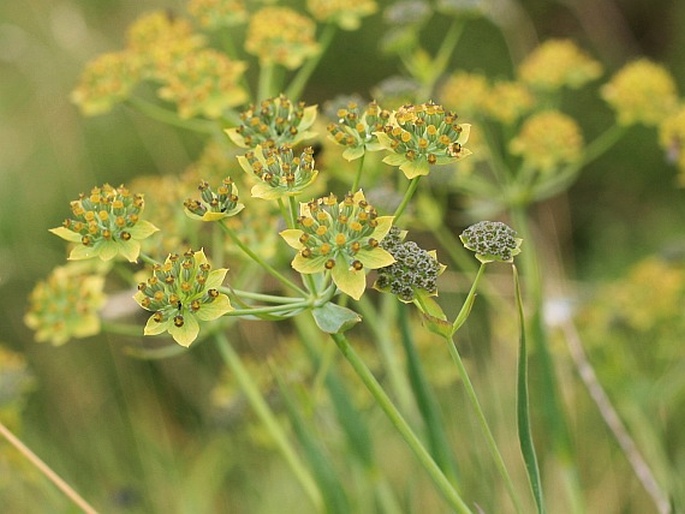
{"x":106,"y":224}
{"x":558,"y":63}
{"x":465,"y":92}
{"x":279,"y":35}
{"x":106,"y":81}
{"x":548,"y":140}
{"x":182,"y":292}
{"x":507,"y":101}
{"x":346,"y":13}
{"x":203,"y":82}
{"x":158,"y":39}
{"x":641,"y":92}
{"x":66,"y":304}
{"x":343,"y":238}
{"x":280,"y":172}
{"x":276,"y":121}
{"x":421,"y":136}
{"x":214,"y":206}
{"x":215,"y":14}
{"x":356,"y":131}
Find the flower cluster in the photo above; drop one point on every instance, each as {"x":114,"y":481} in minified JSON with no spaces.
{"x":275,"y":122}
{"x":213,"y":206}
{"x":66,"y":305}
{"x":342,"y":237}
{"x":279,"y":35}
{"x":357,"y":131}
{"x":558,"y":63}
{"x":492,"y":241}
{"x":423,"y":135}
{"x":507,"y":101}
{"x":345,"y":13}
{"x":465,"y":91}
{"x":548,"y":140}
{"x":214,"y":14}
{"x":106,"y":81}
{"x":106,"y":223}
{"x":204,"y":82}
{"x":281,"y":173}
{"x":414,"y":269}
{"x":181,"y":292}
{"x":641,"y":92}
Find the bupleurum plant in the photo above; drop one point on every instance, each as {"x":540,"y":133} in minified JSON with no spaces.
{"x":312,"y":245}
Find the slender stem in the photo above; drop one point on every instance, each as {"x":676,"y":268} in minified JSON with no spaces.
{"x":358,"y":175}
{"x":171,"y":118}
{"x":265,"y":84}
{"x":468,"y":302}
{"x":446,"y":489}
{"x":485,"y":427}
{"x":408,"y":194}
{"x":46,"y":470}
{"x":267,"y":417}
{"x":442,"y":57}
{"x":271,"y":309}
{"x":259,"y":296}
{"x":613,"y":419}
{"x":297,"y":85}
{"x":293,"y":209}
{"x":270,"y":269}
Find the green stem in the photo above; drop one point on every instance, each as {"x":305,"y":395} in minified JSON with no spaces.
{"x":442,"y":57}
{"x":171,"y":118}
{"x":408,"y":194}
{"x":468,"y":302}
{"x":446,"y":489}
{"x":485,"y":427}
{"x":265,"y":83}
{"x":358,"y":175}
{"x":270,"y":269}
{"x":267,"y":417}
{"x":261,"y":297}
{"x":297,"y":85}
{"x":46,"y":470}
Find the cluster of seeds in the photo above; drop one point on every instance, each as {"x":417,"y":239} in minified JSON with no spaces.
{"x":280,"y":171}
{"x":492,"y":241}
{"x":274,"y":122}
{"x":414,"y":268}
{"x":176,"y":289}
{"x":215,"y":205}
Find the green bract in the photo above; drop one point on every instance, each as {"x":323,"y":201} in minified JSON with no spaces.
{"x":342,"y":238}
{"x":275,"y":122}
{"x":279,"y":171}
{"x":492,"y":241}
{"x":421,"y":136}
{"x":181,"y":292}
{"x":106,"y":224}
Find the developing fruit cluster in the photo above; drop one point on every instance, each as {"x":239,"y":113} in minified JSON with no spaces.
{"x":492,"y":241}
{"x":414,"y":269}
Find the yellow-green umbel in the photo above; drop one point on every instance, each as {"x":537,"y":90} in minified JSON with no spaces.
{"x":182,"y":292}
{"x":421,"y":136}
{"x":213,"y":206}
{"x":276,"y":121}
{"x":106,"y":224}
{"x":342,"y":238}
{"x":356,"y":130}
{"x":66,"y":304}
{"x":279,"y":171}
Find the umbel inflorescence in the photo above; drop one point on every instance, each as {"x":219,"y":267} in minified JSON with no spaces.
{"x":106,"y":223}
{"x":181,"y":292}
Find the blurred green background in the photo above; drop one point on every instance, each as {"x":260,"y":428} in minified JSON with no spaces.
{"x":104,"y":420}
